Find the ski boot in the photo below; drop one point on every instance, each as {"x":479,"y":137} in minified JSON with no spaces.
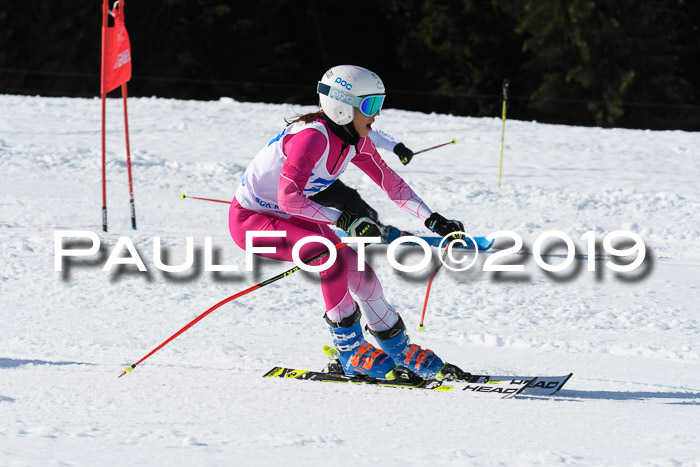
{"x":357,"y":356}
{"x":391,"y":233}
{"x":423,"y":362}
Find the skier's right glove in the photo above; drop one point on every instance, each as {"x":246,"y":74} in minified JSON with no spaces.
{"x":443,"y":227}
{"x":405,"y":154}
{"x":357,"y":226}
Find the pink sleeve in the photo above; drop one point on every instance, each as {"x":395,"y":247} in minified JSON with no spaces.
{"x":371,"y":163}
{"x":303,"y":150}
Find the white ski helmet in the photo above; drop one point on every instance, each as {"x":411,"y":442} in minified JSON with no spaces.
{"x":345,"y":88}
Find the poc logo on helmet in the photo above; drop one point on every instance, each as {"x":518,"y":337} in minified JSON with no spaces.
{"x":339,"y":95}
{"x":343,"y":83}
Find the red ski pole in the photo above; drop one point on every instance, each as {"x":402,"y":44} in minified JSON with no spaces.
{"x":452,"y":141}
{"x":130,"y":368}
{"x":182,"y":196}
{"x":421,"y":326}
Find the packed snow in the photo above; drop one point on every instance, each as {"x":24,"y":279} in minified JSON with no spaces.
{"x":630,"y":339}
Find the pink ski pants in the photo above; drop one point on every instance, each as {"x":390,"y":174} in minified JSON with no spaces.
{"x":339,"y":283}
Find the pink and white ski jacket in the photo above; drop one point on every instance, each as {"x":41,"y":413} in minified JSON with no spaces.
{"x":303,"y":160}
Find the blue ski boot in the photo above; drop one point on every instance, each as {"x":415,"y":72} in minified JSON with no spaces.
{"x":396,"y":344}
{"x":357,"y":356}
{"x":391,"y":233}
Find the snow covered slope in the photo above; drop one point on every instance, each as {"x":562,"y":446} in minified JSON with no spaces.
{"x":631,"y":340}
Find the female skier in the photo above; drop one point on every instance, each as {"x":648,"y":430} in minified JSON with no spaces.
{"x":307,"y":156}
{"x":340,"y":196}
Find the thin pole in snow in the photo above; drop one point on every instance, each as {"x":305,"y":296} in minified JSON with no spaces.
{"x":130,"y":368}
{"x":506,"y":83}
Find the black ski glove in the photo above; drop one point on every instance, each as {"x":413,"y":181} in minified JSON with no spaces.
{"x":357,"y":226}
{"x":443,"y":227}
{"x":405,"y":154}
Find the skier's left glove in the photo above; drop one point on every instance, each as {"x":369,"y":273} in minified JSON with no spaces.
{"x":357,"y":226}
{"x":443,"y":227}
{"x":405,"y":154}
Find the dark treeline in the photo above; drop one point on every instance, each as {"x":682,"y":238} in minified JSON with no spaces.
{"x":622,"y":63}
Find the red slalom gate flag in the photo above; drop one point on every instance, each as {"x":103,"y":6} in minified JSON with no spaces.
{"x":116,"y":55}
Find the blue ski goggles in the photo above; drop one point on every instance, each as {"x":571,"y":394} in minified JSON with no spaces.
{"x":368,"y":105}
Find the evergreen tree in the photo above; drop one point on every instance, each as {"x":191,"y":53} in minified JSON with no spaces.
{"x":459,"y":48}
{"x":631,"y":63}
{"x":41,"y":37}
{"x":591,"y":57}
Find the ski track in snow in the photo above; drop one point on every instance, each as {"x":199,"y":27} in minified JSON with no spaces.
{"x":630,"y":340}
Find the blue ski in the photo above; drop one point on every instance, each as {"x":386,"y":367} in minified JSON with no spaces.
{"x":482,"y":243}
{"x":391,"y":233}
